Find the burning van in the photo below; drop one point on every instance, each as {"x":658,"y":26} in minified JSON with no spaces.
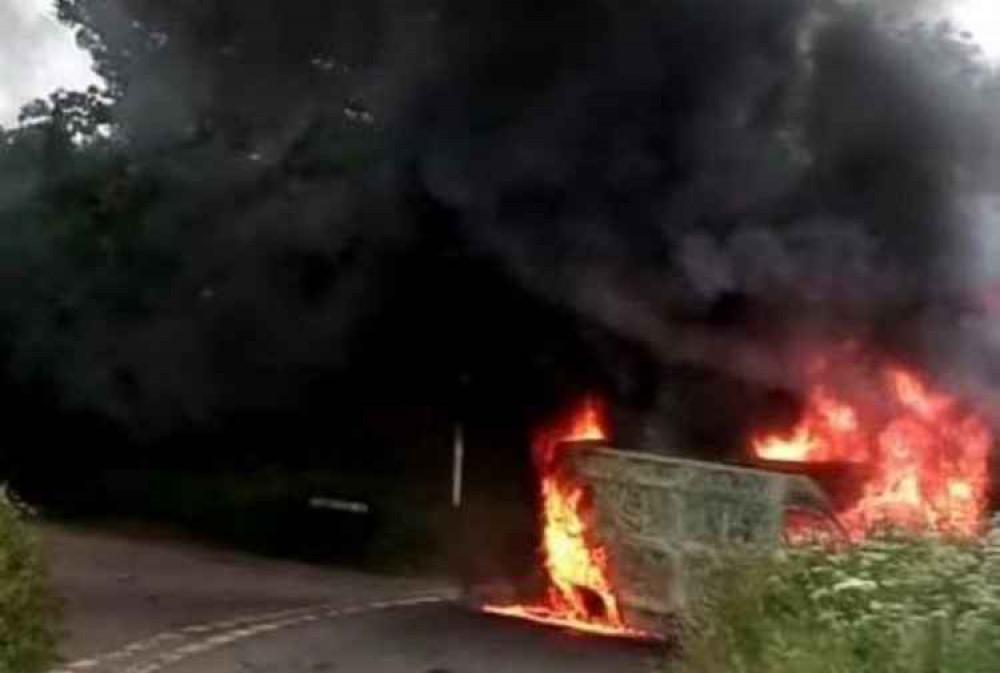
{"x":620,"y":531}
{"x":623,"y":533}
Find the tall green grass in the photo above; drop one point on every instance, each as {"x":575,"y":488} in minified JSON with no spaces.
{"x":896,"y":604}
{"x":28,"y":613}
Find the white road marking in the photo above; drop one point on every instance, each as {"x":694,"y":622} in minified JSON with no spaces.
{"x":233,"y":630}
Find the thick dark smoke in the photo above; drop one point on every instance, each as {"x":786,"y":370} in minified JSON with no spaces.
{"x":729,"y":184}
{"x":710,"y":188}
{"x":648,"y":163}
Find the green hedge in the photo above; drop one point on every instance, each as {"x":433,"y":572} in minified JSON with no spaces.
{"x":28,"y":613}
{"x":896,"y":604}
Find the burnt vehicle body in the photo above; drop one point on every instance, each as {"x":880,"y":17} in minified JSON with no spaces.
{"x":662,"y":520}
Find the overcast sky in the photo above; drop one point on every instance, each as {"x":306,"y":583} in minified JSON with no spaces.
{"x":39,"y":55}
{"x":982,"y":18}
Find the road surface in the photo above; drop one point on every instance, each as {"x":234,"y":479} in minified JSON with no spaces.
{"x":152,"y":606}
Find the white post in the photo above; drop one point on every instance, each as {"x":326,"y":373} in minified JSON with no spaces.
{"x":458,"y":466}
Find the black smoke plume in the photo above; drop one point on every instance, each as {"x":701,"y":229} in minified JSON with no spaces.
{"x":670,"y":200}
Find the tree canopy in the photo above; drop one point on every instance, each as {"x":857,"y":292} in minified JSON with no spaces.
{"x":275,"y":198}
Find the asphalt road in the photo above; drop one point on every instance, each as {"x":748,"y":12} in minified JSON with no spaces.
{"x":146,"y":606}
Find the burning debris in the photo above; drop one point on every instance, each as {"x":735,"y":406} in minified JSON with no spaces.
{"x":920,"y":458}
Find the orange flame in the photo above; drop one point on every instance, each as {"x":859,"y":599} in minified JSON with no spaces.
{"x":927,"y":457}
{"x":580,"y":595}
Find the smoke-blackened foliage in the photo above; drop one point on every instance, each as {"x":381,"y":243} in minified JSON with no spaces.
{"x":671,"y":199}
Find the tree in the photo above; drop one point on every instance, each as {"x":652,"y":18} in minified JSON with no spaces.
{"x":245,"y":70}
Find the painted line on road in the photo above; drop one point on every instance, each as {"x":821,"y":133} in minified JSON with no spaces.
{"x":233,"y":630}
{"x":172,"y":657}
{"x":152,"y":642}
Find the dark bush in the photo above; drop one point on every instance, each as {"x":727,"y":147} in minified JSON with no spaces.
{"x":28,"y":611}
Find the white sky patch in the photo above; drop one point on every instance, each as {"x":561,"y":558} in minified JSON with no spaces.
{"x":37,"y":56}
{"x":982,"y":19}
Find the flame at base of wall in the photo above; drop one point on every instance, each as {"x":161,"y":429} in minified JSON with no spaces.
{"x":580,"y":596}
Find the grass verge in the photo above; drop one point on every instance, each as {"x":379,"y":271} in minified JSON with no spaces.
{"x":895,"y":604}
{"x":28,"y":612}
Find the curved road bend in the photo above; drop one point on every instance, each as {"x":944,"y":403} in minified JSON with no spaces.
{"x":152,"y":606}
